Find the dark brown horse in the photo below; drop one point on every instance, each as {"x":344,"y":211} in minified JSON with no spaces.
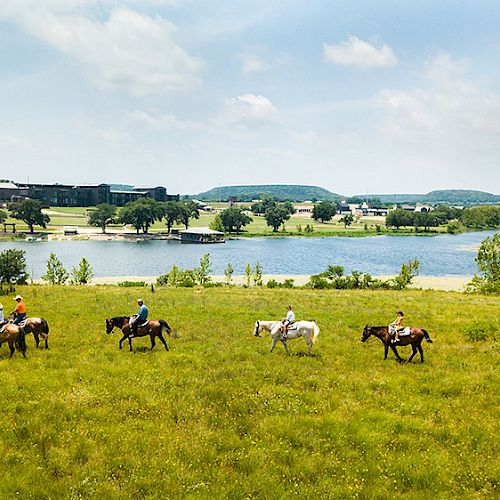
{"x":152,"y":328}
{"x":15,"y":337}
{"x":38,"y":327}
{"x":414,"y":339}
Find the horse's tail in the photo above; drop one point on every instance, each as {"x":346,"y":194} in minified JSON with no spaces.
{"x":165,"y":326}
{"x":21,"y":340}
{"x":45,"y":326}
{"x":427,"y":336}
{"x":316,"y":332}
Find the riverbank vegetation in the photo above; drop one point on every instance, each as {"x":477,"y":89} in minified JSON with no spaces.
{"x":220,"y":417}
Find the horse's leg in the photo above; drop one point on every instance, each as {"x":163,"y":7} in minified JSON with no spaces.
{"x":153,"y":343}
{"x":12,"y":349}
{"x":37,"y":339}
{"x":414,"y":351}
{"x":130,"y":342}
{"x":273,"y":343}
{"x":46,"y":341}
{"x":395,"y":351}
{"x":285,"y":346}
{"x":421,"y":351}
{"x":386,"y":351}
{"x":121,"y":340}
{"x":160,"y":336}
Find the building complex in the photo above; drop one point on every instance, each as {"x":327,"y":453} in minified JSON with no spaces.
{"x":81,"y":195}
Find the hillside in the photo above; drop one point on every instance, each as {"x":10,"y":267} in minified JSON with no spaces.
{"x":458,"y":196}
{"x":279,"y":191}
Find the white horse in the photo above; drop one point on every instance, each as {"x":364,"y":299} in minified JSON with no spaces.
{"x":307,"y":329}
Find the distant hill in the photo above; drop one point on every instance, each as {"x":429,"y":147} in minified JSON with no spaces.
{"x":279,"y":191}
{"x":456,"y":196}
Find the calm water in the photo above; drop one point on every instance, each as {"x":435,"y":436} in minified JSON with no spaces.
{"x":438,"y":255}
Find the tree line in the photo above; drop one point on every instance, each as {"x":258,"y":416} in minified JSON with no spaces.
{"x":141,"y":214}
{"x":480,"y":217}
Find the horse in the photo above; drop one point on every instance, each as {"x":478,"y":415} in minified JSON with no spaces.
{"x":307,"y":329}
{"x":15,"y":336}
{"x":414,"y":339}
{"x":37,"y":326}
{"x":152,"y":328}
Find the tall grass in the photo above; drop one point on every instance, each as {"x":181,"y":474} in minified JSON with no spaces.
{"x":220,"y":417}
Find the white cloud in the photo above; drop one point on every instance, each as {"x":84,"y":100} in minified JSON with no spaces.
{"x":259,"y":61}
{"x":250,"y":110}
{"x":162,"y":123}
{"x":360,"y":54}
{"x":128,"y":51}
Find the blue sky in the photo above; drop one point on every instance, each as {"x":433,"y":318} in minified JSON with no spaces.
{"x":359,"y":96}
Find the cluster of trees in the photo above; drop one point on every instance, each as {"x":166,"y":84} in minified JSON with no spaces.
{"x":481,"y":217}
{"x":56,"y":274}
{"x":143,"y":213}
{"x":333,"y":277}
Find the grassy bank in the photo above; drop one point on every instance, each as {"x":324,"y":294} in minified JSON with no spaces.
{"x":220,"y":417}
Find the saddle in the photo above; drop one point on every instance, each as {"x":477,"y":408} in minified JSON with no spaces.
{"x":142,"y":325}
{"x":403,"y":332}
{"x":292,"y":326}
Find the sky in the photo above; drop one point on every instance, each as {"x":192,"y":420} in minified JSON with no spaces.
{"x":358,"y":97}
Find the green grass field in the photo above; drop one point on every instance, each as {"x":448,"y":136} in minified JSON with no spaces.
{"x":220,"y":417}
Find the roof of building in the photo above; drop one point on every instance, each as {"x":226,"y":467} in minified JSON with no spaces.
{"x":200,"y":230}
{"x":8,"y":185}
{"x":112,"y":191}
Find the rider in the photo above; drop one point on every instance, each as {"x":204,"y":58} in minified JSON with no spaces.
{"x":19,"y":312}
{"x":396,"y":325}
{"x":2,"y":318}
{"x":139,"y":318}
{"x":288,"y":321}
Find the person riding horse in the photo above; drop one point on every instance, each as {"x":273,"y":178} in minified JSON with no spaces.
{"x":396,"y":326}
{"x":139,"y":318}
{"x":287,"y":322}
{"x":19,"y":312}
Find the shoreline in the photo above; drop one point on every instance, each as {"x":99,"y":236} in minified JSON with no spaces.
{"x":444,"y":283}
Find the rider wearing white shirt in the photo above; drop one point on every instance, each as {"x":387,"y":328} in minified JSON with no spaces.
{"x":289,"y":320}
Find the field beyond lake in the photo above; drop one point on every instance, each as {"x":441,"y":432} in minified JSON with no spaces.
{"x":220,"y":417}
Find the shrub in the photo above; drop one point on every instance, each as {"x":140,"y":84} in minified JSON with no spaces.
{"x":317,"y":282}
{"x":82,"y":274}
{"x":257,"y":274}
{"x":479,"y":331}
{"x":488,"y":263}
{"x":228,"y":273}
{"x":13,"y":267}
{"x":131,"y":284}
{"x":55,"y":274}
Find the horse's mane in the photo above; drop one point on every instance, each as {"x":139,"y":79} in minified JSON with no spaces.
{"x":120,"y":318}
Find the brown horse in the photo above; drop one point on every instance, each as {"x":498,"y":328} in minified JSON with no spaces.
{"x":38,"y":327}
{"x":152,"y":328}
{"x":15,"y":337}
{"x":414,"y":339}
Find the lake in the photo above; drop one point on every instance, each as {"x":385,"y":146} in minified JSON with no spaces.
{"x":377,"y":255}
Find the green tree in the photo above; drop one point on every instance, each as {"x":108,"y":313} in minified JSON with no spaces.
{"x":202,"y":273}
{"x":324,"y":211}
{"x":408,"y":271}
{"x":347,"y":220}
{"x":30,"y":212}
{"x":82,"y":274}
{"x":142,"y":213}
{"x":228,"y":273}
{"x":55,"y":273}
{"x":3,"y":216}
{"x":257,"y":274}
{"x":233,"y":219}
{"x":278,"y":214}
{"x":103,"y":215}
{"x":13,"y":267}
{"x":187,"y":210}
{"x":425,"y":220}
{"x":248,"y":274}
{"x":481,"y":217}
{"x":488,"y":263}
{"x":398,"y":218}
{"x":172,"y":214}
{"x":216,"y":224}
